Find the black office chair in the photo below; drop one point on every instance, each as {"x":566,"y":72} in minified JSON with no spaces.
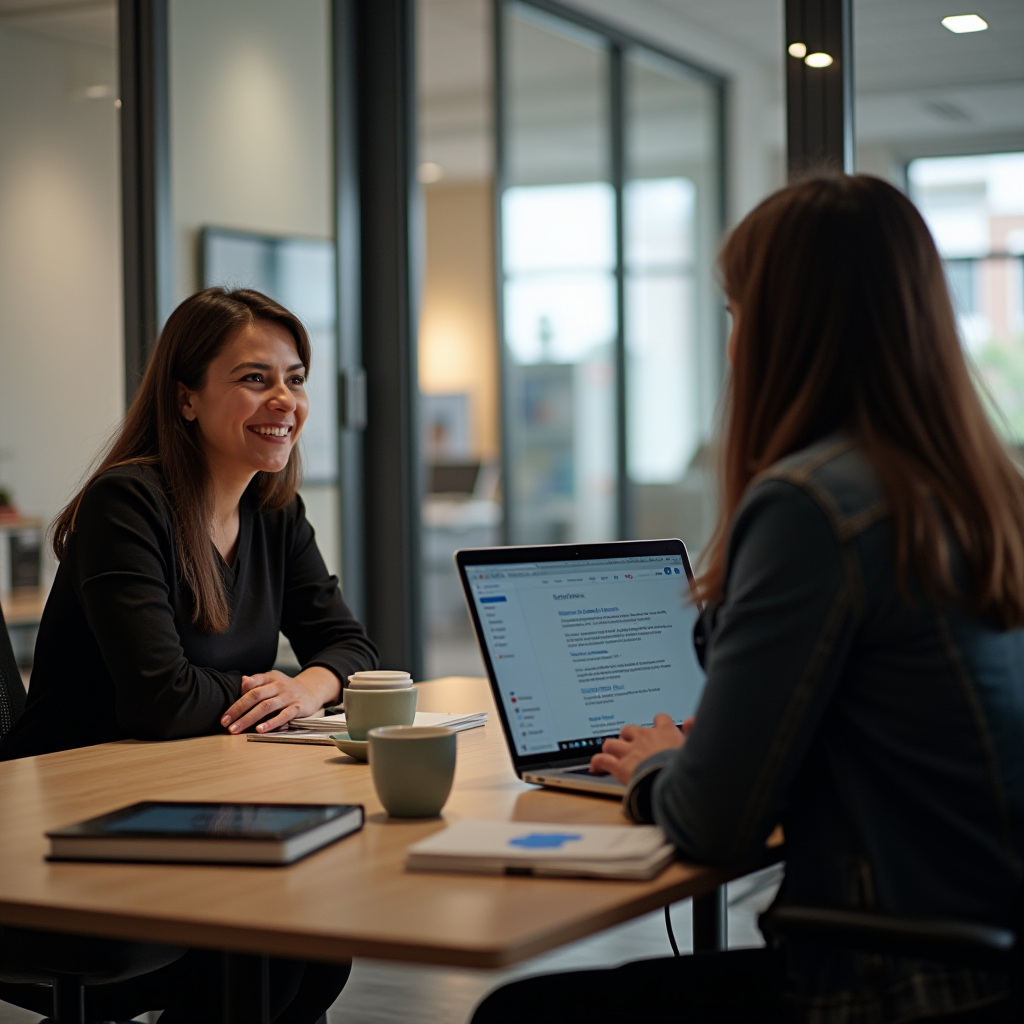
{"x":51,"y":973}
{"x":959,"y":943}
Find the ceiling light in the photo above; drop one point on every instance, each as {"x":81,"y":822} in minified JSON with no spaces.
{"x":430,"y":172}
{"x":797,"y":49}
{"x":818,"y":60}
{"x":965,"y":23}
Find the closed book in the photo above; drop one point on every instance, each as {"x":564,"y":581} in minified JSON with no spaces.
{"x":212,"y":833}
{"x":636,"y":852}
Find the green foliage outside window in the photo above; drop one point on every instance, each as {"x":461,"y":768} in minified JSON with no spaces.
{"x":1000,"y":365}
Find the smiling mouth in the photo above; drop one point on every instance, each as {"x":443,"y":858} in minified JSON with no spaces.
{"x":272,"y":431}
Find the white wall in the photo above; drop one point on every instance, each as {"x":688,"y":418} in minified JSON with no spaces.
{"x":61,"y":349}
{"x":250,"y":121}
{"x":250,"y":141}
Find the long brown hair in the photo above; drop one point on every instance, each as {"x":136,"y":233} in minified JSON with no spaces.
{"x":845,"y":324}
{"x":154,"y":433}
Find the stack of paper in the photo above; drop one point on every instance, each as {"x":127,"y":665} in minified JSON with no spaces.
{"x":517,"y":848}
{"x":319,"y":729}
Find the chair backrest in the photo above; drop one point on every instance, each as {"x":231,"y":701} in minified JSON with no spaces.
{"x":12,"y":690}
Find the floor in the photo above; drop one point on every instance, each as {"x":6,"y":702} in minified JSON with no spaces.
{"x":384,"y":993}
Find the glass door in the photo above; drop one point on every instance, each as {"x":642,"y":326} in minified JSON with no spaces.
{"x":558,"y":293}
{"x":674,"y":362}
{"x":609,"y":210}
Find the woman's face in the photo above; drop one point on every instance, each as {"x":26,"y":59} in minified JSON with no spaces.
{"x":251,"y":408}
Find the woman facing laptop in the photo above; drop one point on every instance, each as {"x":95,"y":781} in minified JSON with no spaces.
{"x":181,"y":559}
{"x":863,"y":603}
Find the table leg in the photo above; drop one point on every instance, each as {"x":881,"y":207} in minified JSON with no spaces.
{"x":710,"y":922}
{"x":69,"y":1001}
{"x":246,"y":989}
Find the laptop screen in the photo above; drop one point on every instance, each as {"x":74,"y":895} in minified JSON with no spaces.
{"x":580,"y":648}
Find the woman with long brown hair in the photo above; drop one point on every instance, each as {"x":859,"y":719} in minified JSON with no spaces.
{"x":182,"y":558}
{"x":188,"y":550}
{"x":861,"y":632}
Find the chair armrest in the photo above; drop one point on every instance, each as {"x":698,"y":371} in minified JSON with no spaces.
{"x":962,"y":942}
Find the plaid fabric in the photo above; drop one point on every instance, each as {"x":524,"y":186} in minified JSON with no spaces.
{"x":921,"y":993}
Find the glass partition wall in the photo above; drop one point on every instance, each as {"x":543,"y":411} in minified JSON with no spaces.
{"x":609,"y":206}
{"x":559,"y":256}
{"x":674,"y":352}
{"x":251,"y":191}
{"x":61,"y":347}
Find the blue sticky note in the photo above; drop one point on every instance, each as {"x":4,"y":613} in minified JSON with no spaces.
{"x":544,"y":840}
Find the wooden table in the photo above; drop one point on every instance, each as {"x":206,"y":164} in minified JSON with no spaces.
{"x":351,"y":899}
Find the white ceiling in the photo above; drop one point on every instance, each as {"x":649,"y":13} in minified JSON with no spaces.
{"x":919,"y":87}
{"x":899,"y":44}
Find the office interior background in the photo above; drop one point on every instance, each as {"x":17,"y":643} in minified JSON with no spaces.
{"x":575,"y":167}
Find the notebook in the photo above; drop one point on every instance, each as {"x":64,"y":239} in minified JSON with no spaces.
{"x":319,"y":729}
{"x":523,"y":848}
{"x":200,"y":832}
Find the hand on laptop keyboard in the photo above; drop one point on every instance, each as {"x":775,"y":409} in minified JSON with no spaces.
{"x":621,"y":757}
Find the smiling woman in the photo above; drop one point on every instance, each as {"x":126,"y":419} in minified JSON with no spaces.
{"x":188,"y":550}
{"x":181,"y":559}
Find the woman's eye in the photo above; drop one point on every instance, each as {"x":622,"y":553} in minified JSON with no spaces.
{"x":254,"y":378}
{"x":298,"y":382}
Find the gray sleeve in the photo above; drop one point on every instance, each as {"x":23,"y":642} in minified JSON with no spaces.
{"x":776,"y":651}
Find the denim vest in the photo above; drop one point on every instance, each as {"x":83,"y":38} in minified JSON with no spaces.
{"x":883,"y":730}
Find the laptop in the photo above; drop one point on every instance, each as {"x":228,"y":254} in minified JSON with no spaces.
{"x":580,"y":640}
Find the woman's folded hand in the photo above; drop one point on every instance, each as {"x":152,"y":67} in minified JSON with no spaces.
{"x":274,"y":699}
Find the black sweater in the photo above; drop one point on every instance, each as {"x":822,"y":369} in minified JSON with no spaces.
{"x":117,"y":654}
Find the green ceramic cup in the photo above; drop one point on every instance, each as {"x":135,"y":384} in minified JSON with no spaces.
{"x":368,"y":709}
{"x":412,"y":768}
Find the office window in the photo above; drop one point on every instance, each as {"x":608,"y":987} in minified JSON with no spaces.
{"x":974,"y":206}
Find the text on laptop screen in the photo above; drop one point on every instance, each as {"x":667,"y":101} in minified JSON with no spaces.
{"x":580,"y":649}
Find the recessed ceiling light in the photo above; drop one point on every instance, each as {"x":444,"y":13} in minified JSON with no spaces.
{"x":797,"y":49}
{"x":965,"y":23}
{"x":430,"y":172}
{"x":818,"y":60}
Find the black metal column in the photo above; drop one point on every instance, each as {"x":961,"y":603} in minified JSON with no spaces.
{"x":351,"y":377}
{"x":508,"y":531}
{"x":617,"y":109}
{"x":390,"y":251}
{"x":819,"y":100}
{"x":145,"y":180}
{"x":710,"y":921}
